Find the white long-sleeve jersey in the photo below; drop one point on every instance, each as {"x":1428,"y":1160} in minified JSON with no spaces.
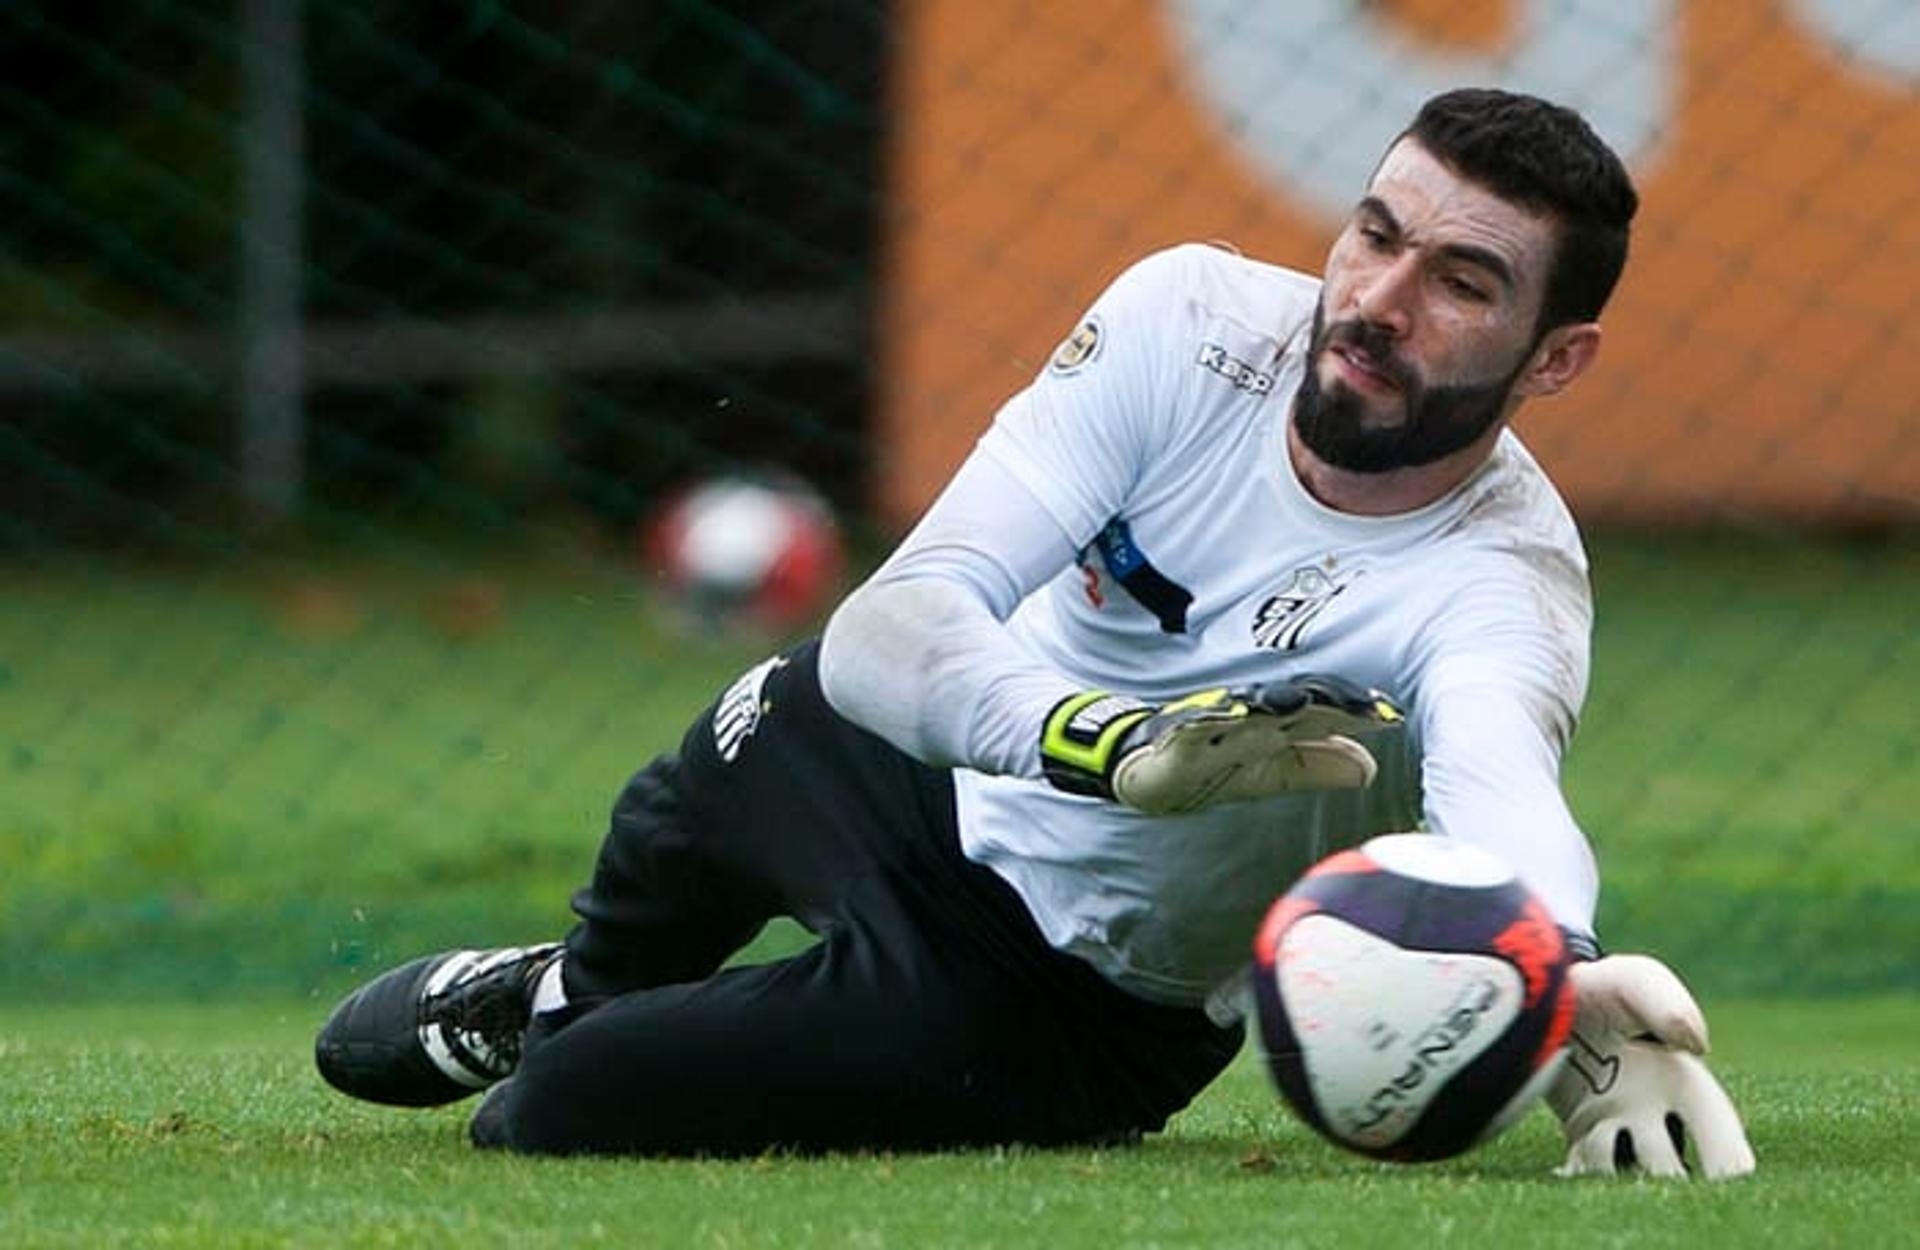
{"x":1132,"y":522}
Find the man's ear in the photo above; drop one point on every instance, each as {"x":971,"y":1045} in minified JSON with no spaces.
{"x":1563,"y":355}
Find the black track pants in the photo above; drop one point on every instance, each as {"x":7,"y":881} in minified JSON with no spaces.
{"x":931,"y":1013}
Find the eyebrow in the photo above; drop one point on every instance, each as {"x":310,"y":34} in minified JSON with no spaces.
{"x":1468,"y":253}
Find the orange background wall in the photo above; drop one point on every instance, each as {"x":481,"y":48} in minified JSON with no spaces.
{"x":1763,"y":353}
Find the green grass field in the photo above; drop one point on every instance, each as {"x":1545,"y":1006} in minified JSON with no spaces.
{"x":228,"y":791}
{"x":262,"y":778}
{"x":183,"y":1125}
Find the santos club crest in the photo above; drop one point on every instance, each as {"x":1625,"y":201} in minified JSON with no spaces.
{"x":1284,"y":617}
{"x":742,"y":707}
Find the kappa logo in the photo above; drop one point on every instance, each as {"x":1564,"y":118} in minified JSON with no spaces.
{"x":742,"y":708}
{"x":1284,"y":617}
{"x":1241,"y":373}
{"x":1080,"y":347}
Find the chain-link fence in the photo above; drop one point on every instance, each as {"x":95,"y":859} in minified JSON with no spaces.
{"x":344,"y":345}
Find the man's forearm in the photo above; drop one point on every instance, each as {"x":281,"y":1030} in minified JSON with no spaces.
{"x":922,"y":662}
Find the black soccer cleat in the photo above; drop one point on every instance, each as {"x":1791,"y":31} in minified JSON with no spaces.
{"x":435,"y":1030}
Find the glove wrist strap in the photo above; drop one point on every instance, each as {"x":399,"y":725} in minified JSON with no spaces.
{"x":1584,"y":947}
{"x":1084,"y":737}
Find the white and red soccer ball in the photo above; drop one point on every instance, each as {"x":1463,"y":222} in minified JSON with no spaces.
{"x":738,"y":550}
{"x":1413,"y":997}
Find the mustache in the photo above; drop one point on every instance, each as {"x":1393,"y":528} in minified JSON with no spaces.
{"x":1376,"y":344}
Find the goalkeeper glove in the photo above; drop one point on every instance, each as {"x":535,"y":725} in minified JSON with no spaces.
{"x":1217,"y":746}
{"x":1634,"y":1087}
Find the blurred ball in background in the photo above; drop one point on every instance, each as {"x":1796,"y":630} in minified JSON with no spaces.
{"x":759,"y":552}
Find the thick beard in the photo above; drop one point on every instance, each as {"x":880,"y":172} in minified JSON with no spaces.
{"x":1440,"y":420}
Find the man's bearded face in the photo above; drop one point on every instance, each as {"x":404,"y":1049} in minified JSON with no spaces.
{"x":1339,"y":424}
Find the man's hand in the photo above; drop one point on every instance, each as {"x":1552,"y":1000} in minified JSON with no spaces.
{"x":1217,"y":746}
{"x":1634,"y":1087}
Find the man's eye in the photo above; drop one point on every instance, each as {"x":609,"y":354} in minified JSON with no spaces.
{"x":1375,"y":237}
{"x":1466,"y":290}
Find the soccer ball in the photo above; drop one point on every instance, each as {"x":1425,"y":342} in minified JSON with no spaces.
{"x":1413,"y":998}
{"x":760,"y":552}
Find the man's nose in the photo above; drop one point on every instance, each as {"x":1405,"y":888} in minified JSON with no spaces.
{"x":1385,"y":297}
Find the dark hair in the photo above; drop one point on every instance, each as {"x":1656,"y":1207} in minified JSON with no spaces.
{"x":1545,"y":158}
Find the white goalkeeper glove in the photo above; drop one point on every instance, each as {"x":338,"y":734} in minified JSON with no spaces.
{"x":1634,"y":1088}
{"x":1217,"y":746}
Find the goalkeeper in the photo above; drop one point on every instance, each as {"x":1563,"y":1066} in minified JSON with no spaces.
{"x":1253,"y":570}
